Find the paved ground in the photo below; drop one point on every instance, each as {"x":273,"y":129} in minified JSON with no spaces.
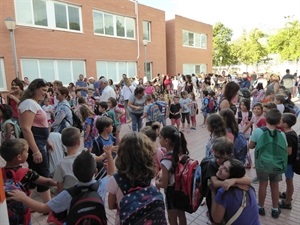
{"x":196,"y":144}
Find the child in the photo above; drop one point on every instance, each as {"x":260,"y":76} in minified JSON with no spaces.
{"x":149,"y":101}
{"x":175,"y":143}
{"x":164,"y":106}
{"x":279,"y":101}
{"x":88,"y":117}
{"x":10,"y":129}
{"x":175,"y":110}
{"x":91,"y":100}
{"x":114,"y":111}
{"x":269,"y":96}
{"x":135,"y":164}
{"x":193,"y":110}
{"x":244,"y":116}
{"x":15,"y":152}
{"x":273,"y":118}
{"x":256,"y":118}
{"x":49,"y":109}
{"x":287,"y":121}
{"x":103,"y":110}
{"x":185,"y":103}
{"x":204,"y":106}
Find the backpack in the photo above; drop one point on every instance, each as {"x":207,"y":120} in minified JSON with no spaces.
{"x":17,"y":130}
{"x":212,"y":106}
{"x":18,"y":212}
{"x":240,"y":147}
{"x":296,"y":163}
{"x":271,"y":152}
{"x":140,"y":205}
{"x":204,"y":179}
{"x":194,"y":109}
{"x":240,"y":116}
{"x":94,"y":130}
{"x":86,"y":207}
{"x":76,"y":120}
{"x":289,"y":108}
{"x":188,"y":179}
{"x":245,"y":93}
{"x":205,"y":103}
{"x":153,"y":112}
{"x":122,"y":119}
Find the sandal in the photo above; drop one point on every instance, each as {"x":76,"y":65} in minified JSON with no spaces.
{"x":282,"y":195}
{"x":284,"y":205}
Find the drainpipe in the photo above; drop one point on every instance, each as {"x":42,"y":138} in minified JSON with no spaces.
{"x":136,"y":10}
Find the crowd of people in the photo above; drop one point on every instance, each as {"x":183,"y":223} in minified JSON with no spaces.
{"x":230,"y":106}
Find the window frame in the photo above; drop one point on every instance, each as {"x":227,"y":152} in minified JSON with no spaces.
{"x":194,"y":40}
{"x":2,"y":75}
{"x":147,"y":30}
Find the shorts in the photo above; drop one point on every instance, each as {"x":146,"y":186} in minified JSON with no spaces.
{"x":169,"y":193}
{"x":204,"y":113}
{"x":264,"y":177}
{"x":289,"y":174}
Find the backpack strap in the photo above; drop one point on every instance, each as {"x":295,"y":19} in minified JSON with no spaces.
{"x":240,"y":117}
{"x":16,"y":175}
{"x":270,"y":132}
{"x":76,"y":190}
{"x":240,"y":210}
{"x":123,"y":183}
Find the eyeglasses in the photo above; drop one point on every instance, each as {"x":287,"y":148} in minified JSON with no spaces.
{"x":221,"y":157}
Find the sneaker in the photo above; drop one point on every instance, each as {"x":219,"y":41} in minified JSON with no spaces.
{"x":255,"y":180}
{"x":275,"y":213}
{"x":284,"y":205}
{"x":261,"y":211}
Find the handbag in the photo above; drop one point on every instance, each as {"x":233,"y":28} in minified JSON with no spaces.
{"x":239,"y":211}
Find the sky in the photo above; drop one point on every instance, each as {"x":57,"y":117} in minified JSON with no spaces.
{"x":237,"y":15}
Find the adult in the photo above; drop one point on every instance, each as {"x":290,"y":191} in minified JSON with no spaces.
{"x":34,"y":124}
{"x":111,"y":83}
{"x":127,"y":90}
{"x":13,"y":98}
{"x":91,"y":84}
{"x":167,"y":82}
{"x":56,"y":84}
{"x":98,"y":89}
{"x":274,"y":83}
{"x":26,"y":83}
{"x":228,"y":199}
{"x":244,"y":82}
{"x":189,"y":84}
{"x":288,"y":81}
{"x":261,"y":79}
{"x":228,"y":99}
{"x":136,"y":104}
{"x":82,"y":86}
{"x":108,"y":91}
{"x":63,"y":115}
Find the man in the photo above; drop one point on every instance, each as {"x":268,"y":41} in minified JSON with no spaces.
{"x":82,"y":86}
{"x":261,"y":79}
{"x":288,"y":81}
{"x":245,"y":83}
{"x":91,"y":84}
{"x":107,"y":92}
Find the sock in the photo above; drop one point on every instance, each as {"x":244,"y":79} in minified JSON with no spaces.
{"x":276,"y":209}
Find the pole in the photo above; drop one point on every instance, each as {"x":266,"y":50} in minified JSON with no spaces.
{"x":14,"y":52}
{"x":145,"y":64}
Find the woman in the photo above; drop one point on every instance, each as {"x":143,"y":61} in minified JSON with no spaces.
{"x":126,"y":91}
{"x":136,"y":104}
{"x":228,"y":199}
{"x":13,"y":98}
{"x":167,"y":82}
{"x":229,"y":94}
{"x":111,"y":83}
{"x":149,"y":89}
{"x":63,"y":115}
{"x":34,"y":124}
{"x":274,"y":83}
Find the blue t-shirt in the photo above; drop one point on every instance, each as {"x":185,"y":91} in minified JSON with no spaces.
{"x":82,"y":84}
{"x":184,"y":103}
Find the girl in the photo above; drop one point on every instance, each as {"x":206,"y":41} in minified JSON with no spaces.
{"x":244,"y":116}
{"x":175,"y":143}
{"x":216,"y":127}
{"x":175,"y":110}
{"x":257,"y":118}
{"x":10,"y":129}
{"x":258,"y":94}
{"x":193,"y":110}
{"x":185,"y":104}
{"x":88,"y":117}
{"x":116,"y":114}
{"x":134,"y":163}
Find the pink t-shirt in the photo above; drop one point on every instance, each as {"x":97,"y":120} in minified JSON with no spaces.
{"x":40,"y":119}
{"x":149,"y":90}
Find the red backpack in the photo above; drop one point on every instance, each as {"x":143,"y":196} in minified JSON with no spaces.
{"x":188,"y":195}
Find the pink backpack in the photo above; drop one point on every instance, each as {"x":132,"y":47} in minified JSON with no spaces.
{"x":94,"y":131}
{"x":122,"y":119}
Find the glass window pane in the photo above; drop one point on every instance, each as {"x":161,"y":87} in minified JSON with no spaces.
{"x":203,"y":68}
{"x":191,"y":39}
{"x":146,"y":30}
{"x":2,"y":76}
{"x":197,"y":69}
{"x":131,"y":69}
{"x":60,"y":16}
{"x":40,"y":13}
{"x":64,"y":71}
{"x":78,"y":68}
{"x":47,"y":70}
{"x":30,"y":68}
{"x":111,"y":70}
{"x":23,"y":12}
{"x":121,"y":69}
{"x":74,"y":21}
{"x":203,"y":41}
{"x":185,"y":38}
{"x":197,"y":40}
{"x":120,"y":26}
{"x":130,"y":27}
{"x":98,"y":23}
{"x":101,"y":69}
{"x":109,"y":25}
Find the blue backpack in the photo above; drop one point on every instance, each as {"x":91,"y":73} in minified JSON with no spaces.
{"x":140,"y":205}
{"x":240,"y":147}
{"x":153,"y":112}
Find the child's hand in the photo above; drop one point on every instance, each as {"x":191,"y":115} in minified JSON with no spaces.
{"x":228,"y":183}
{"x":115,"y":149}
{"x":108,"y":150}
{"x":16,"y":195}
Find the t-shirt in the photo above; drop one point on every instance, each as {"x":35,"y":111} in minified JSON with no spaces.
{"x":47,"y":109}
{"x":184,"y":103}
{"x":40,"y":119}
{"x":232,"y":199}
{"x":292,"y":140}
{"x":82,"y":84}
{"x":136,"y":102}
{"x":174,"y":108}
{"x":258,"y":132}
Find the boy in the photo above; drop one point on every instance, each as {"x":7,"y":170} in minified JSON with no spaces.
{"x":148,"y":103}
{"x":269,"y":96}
{"x":279,"y":101}
{"x":49,"y":109}
{"x":85,"y":177}
{"x":15,"y":152}
{"x":164,"y":106}
{"x":273,"y":117}
{"x":104,"y":112}
{"x":204,"y":106}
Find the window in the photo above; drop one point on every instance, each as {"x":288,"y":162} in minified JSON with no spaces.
{"x":2,"y":76}
{"x":49,"y":14}
{"x":64,"y":70}
{"x":113,"y":25}
{"x":114,"y":70}
{"x":190,"y":39}
{"x":146,"y":31}
{"x":194,"y":68}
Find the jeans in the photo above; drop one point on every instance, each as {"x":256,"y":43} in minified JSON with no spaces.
{"x":136,"y":120}
{"x":126,"y":109}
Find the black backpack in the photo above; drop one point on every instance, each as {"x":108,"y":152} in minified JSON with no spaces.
{"x":296,"y":163}
{"x":76,"y":120}
{"x":240,"y":116}
{"x":87,"y":207}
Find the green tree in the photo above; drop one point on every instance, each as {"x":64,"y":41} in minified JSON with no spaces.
{"x":221,"y":44}
{"x":286,"y":42}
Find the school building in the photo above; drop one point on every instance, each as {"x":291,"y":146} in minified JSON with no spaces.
{"x":58,"y":40}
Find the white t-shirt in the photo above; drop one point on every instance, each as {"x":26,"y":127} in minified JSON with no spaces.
{"x":47,"y":109}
